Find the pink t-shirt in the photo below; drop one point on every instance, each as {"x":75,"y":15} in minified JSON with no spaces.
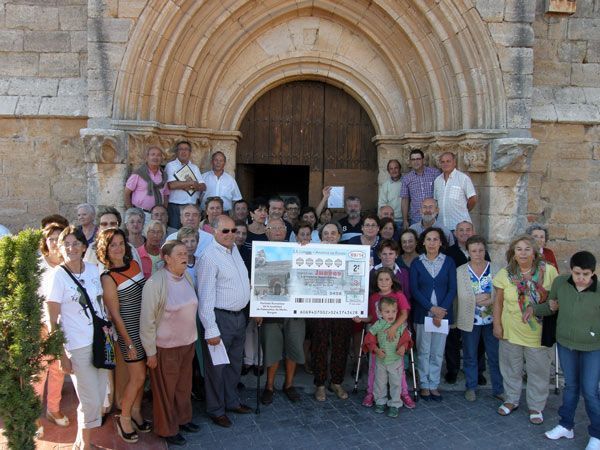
{"x":401,"y":301}
{"x":139,"y":189}
{"x":178,"y":324}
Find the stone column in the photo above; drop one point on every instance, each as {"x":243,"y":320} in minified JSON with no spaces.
{"x":388,"y":147}
{"x":106,"y":166}
{"x":504,"y":194}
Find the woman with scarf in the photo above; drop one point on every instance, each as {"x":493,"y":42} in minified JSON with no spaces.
{"x":525,"y":281}
{"x":146,"y":186}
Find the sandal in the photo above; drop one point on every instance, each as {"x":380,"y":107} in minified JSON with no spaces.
{"x":536,"y":417}
{"x":507,"y":408}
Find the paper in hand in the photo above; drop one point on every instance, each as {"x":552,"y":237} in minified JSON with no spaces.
{"x":431,"y":328}
{"x":218,"y":354}
{"x":336,"y":197}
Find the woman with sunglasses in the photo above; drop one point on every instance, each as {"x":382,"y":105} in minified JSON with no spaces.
{"x":68,"y":305}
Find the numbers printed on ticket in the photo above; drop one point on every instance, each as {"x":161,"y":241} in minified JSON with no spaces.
{"x":315,"y":280}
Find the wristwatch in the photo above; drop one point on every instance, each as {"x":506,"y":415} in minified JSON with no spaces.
{"x":131,"y":346}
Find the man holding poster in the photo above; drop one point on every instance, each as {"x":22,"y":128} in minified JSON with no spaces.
{"x":327,"y":282}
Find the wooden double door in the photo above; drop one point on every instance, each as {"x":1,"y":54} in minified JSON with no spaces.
{"x":302,"y":136}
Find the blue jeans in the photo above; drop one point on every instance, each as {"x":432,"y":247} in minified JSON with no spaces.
{"x":470,"y":344}
{"x":582,"y":373}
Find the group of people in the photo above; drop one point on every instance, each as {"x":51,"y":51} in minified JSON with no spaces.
{"x":174,"y":280}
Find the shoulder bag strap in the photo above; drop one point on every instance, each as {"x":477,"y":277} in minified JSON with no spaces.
{"x":85,"y":294}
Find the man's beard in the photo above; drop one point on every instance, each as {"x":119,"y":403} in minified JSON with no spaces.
{"x":428,"y":218}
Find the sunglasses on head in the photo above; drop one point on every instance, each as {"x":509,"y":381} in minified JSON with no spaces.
{"x":228,"y":230}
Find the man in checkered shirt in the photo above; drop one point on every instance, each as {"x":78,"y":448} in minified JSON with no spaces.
{"x":417,"y":185}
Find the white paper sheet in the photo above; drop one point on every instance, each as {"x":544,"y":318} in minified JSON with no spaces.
{"x":430,"y":327}
{"x":336,"y":197}
{"x":218,"y":354}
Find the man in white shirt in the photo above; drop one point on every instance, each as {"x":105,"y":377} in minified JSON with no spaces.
{"x":454,"y":192}
{"x":220,"y":184}
{"x":190,"y":217}
{"x":181,"y":188}
{"x":223,"y":292}
{"x":389,"y":191}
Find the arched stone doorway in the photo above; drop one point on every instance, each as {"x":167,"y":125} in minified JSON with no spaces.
{"x":303,"y":135}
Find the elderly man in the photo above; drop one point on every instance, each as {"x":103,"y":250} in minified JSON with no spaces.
{"x":454,"y":192}
{"x":429,"y":213}
{"x":389,"y":191}
{"x":281,"y":336}
{"x":190,"y":217}
{"x":220,"y":184}
{"x":385,"y":211}
{"x":458,"y":252}
{"x":276,"y":210}
{"x":223,"y":291}
{"x":185,"y":189}
{"x":292,"y":210}
{"x":160,"y":213}
{"x":417,"y":185}
{"x":352,"y":223}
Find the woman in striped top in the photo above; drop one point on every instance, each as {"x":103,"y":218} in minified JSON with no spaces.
{"x":122,"y":284}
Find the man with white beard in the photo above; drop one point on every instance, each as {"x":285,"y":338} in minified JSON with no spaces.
{"x":429,"y":212}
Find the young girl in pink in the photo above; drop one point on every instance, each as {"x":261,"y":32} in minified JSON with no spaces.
{"x":387,"y":286}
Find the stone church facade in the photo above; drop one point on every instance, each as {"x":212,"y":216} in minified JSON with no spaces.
{"x":511,"y":86}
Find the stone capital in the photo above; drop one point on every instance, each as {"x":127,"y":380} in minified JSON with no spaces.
{"x":512,"y":154}
{"x":104,"y":146}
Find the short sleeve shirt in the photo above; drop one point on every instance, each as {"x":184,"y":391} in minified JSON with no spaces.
{"x":482,"y":285}
{"x":417,"y":188}
{"x":515,"y":331}
{"x":180,"y":196}
{"x":452,"y":196}
{"x":75,"y":316}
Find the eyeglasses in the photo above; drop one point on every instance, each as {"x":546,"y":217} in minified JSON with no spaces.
{"x":370,"y":225}
{"x":416,"y":159}
{"x":75,"y":244}
{"x":228,"y":230}
{"x":109,"y":224}
{"x":276,"y":228}
{"x":292,"y":208}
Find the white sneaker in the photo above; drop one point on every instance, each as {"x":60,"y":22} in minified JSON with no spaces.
{"x":593,"y":444}
{"x":559,"y":432}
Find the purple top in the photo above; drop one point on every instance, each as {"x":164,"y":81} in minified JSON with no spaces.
{"x":417,"y":188}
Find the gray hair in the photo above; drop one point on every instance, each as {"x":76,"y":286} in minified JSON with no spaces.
{"x":156,"y":223}
{"x":135,"y":212}
{"x":538,"y":226}
{"x":89,"y":208}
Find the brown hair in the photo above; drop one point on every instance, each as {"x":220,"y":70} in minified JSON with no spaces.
{"x":389,"y":243}
{"x":167,"y":247}
{"x":75,"y":231}
{"x":476,"y":239}
{"x":103,"y":241}
{"x":48,"y":231}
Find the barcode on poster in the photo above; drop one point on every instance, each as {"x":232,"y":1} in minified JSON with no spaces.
{"x":321,"y":300}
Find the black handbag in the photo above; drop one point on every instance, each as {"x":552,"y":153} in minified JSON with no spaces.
{"x":103,"y":345}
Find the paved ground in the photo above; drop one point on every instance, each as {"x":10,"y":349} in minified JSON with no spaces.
{"x":453,"y":423}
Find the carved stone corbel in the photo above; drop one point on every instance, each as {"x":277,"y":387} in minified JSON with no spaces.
{"x":104,"y":146}
{"x":512,"y":154}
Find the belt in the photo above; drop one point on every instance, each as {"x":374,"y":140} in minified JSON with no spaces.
{"x":228,"y":311}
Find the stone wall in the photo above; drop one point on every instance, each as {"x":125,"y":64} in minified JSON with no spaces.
{"x":42,"y":169}
{"x":43,"y":58}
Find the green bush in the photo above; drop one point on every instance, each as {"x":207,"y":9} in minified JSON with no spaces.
{"x":22,"y":348}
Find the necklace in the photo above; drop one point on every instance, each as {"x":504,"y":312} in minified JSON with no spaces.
{"x":79,"y":275}
{"x":525,"y":272}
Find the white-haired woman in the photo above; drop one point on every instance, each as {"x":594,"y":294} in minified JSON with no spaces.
{"x":86,"y":214}
{"x":134,"y":226}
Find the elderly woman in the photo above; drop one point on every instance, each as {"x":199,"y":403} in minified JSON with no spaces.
{"x":146,"y":186}
{"x":150,"y":251}
{"x":408,"y":248}
{"x":475,"y":315}
{"x":578,"y":341}
{"x":433,"y":288}
{"x":524,"y":281}
{"x":85,"y":216}
{"x":134,"y":226}
{"x":50,"y":258}
{"x":168,"y":333}
{"x":74,"y":282}
{"x":326,"y":331}
{"x":213,"y":209}
{"x":122,"y":284}
{"x":540,"y":234}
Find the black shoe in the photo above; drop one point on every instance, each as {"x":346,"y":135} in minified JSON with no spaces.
{"x":189,"y":427}
{"x":450,"y":378}
{"x":131,"y":438}
{"x":242,"y":409}
{"x":481,"y":380}
{"x":178,"y":439}
{"x":144,"y":427}
{"x":267,"y":397}
{"x":292,"y":394}
{"x":258,"y":370}
{"x":246,"y":369}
